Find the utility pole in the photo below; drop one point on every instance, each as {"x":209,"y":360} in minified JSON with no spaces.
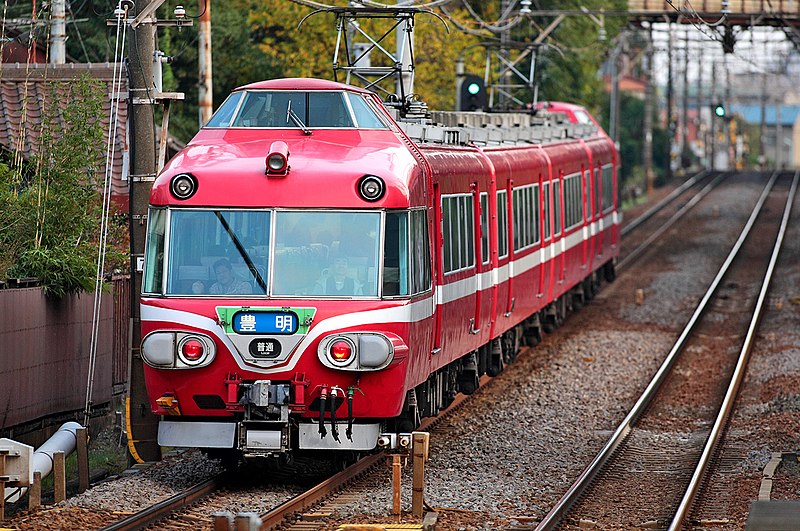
{"x":58,"y":33}
{"x":205,"y":93}
{"x":713,"y":143}
{"x":142,"y":424}
{"x":762,"y":127}
{"x":731,"y":149}
{"x":685,"y":159}
{"x":670,"y":103}
{"x":647,"y":146}
{"x":505,"y":37}
{"x":699,"y":102}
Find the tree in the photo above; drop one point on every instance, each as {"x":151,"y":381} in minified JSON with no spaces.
{"x":51,"y":209}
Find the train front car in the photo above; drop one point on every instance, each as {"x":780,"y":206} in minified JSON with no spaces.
{"x":287,"y":266}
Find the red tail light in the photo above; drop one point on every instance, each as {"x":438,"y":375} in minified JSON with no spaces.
{"x":192,"y":350}
{"x":341,"y":351}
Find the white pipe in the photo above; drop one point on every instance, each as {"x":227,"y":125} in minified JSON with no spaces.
{"x":64,"y":440}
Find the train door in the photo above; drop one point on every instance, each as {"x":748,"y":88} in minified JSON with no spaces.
{"x":544,"y":251}
{"x":558,"y":223}
{"x":587,"y":216}
{"x":480,"y":252}
{"x":510,"y":232}
{"x":438,"y":271}
{"x":598,"y":207}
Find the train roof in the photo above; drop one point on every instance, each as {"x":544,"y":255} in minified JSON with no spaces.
{"x":325,"y":156}
{"x":301,"y":84}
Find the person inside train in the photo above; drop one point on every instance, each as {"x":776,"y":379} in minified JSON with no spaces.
{"x":227,"y":282}
{"x":339,"y":281}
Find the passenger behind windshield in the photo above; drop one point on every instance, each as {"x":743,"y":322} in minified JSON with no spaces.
{"x":339,"y":282}
{"x":227,"y":282}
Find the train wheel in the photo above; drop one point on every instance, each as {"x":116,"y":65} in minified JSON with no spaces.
{"x":410,"y":418}
{"x":552,"y":317}
{"x":588,"y":288}
{"x":533,"y":331}
{"x":468,"y":374}
{"x":496,"y":364}
{"x":577,"y":299}
{"x":609,"y":271}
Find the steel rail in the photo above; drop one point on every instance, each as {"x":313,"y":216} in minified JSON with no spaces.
{"x":275,"y":517}
{"x":158,"y":511}
{"x":738,"y":373}
{"x":664,"y":202}
{"x":630,"y":257}
{"x":559,"y":510}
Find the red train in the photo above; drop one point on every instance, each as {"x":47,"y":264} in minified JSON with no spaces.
{"x":319,"y":275}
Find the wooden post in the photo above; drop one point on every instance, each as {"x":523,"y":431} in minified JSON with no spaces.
{"x":397,"y":469}
{"x":83,"y":459}
{"x":3,"y":479}
{"x":59,"y":477}
{"x":223,"y":521}
{"x":419,"y":450}
{"x":247,"y":522}
{"x":35,"y":492}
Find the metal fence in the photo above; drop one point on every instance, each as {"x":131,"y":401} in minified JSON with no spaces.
{"x":44,"y":351}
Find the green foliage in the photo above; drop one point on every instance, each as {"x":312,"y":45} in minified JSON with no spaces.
{"x":51,"y":208}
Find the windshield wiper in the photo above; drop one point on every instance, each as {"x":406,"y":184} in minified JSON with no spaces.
{"x":239,"y":247}
{"x":291,"y":115}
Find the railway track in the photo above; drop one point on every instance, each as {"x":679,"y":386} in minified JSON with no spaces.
{"x":197,"y":505}
{"x":663,"y":215}
{"x":649,"y":472}
{"x":196,"y":509}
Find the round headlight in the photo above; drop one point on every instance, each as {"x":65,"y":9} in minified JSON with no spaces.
{"x":276,"y":162}
{"x":371,"y":188}
{"x":183,"y":186}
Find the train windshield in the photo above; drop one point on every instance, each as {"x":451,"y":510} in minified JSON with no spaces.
{"x":316,"y":109}
{"x":231,"y":253}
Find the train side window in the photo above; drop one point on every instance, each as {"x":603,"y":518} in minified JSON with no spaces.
{"x":536,"y":212}
{"x":395,"y":255}
{"x":546,"y":199}
{"x":557,"y":207}
{"x":587,"y":198}
{"x":502,"y":223}
{"x":598,"y":191}
{"x":525,"y":204}
{"x":154,"y":254}
{"x":458,"y":231}
{"x":421,"y":253}
{"x":608,"y":187}
{"x":573,"y":201}
{"x":485,"y":227}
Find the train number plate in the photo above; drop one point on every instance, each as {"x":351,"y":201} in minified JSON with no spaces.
{"x":269,"y":322}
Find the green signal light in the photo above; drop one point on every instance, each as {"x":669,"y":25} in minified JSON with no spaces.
{"x":473,"y":88}
{"x":719,"y":110}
